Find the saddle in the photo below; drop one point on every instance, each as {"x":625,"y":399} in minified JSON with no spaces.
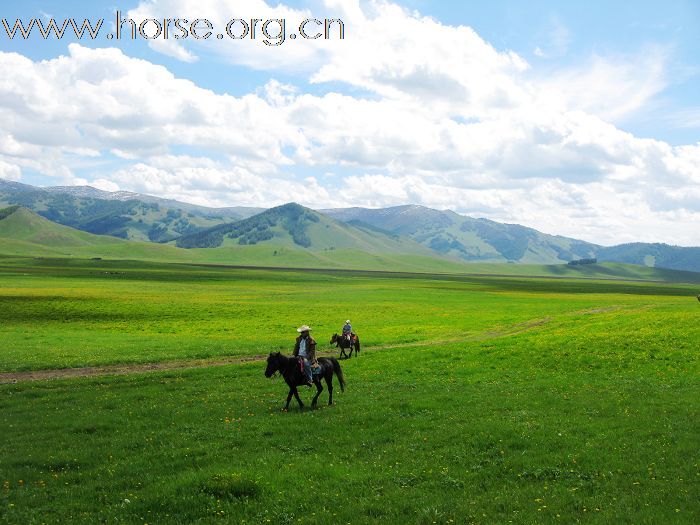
{"x":315,"y":367}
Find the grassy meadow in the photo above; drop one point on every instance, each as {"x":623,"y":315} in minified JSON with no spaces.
{"x":476,"y":399}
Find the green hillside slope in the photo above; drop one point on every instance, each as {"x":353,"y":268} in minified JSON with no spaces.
{"x":23,"y":225}
{"x":402,"y":229}
{"x":655,"y":255}
{"x":23,"y":233}
{"x":470,"y":239}
{"x":292,"y":225}
{"x":129,"y":218}
{"x":482,"y":240}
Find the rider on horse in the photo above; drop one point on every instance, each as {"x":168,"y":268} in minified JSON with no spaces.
{"x":305,"y":347}
{"x":347,"y":331}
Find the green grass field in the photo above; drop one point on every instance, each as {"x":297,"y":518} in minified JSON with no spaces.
{"x":476,"y":399}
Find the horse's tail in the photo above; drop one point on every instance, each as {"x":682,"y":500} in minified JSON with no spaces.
{"x":357,"y":344}
{"x":339,"y":373}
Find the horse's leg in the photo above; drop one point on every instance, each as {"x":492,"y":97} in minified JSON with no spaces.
{"x":342,"y":353}
{"x":289,"y":398}
{"x":319,"y":389}
{"x":296,"y":395}
{"x":329,"y":384}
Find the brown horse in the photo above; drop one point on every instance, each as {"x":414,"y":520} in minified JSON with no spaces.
{"x":343,"y":343}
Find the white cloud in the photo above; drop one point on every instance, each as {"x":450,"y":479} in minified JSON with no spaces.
{"x":105,"y":185}
{"x":401,"y":55}
{"x":174,"y":49}
{"x":611,"y":87}
{"x":478,"y":130}
{"x":9,"y":171}
{"x":209,"y":183}
{"x":98,"y":99}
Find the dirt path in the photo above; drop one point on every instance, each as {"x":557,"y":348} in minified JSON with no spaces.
{"x":121,"y":369}
{"x":136,"y":368}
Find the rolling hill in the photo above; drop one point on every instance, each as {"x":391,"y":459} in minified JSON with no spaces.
{"x":24,"y":233}
{"x":476,"y":240}
{"x":482,"y":240}
{"x":653,"y":255}
{"x":232,"y":212}
{"x":292,"y":225}
{"x":119,"y":214}
{"x":414,"y":229}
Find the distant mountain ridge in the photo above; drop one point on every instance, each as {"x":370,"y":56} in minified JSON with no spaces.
{"x":95,"y":193}
{"x":294,"y":226}
{"x":235,"y":212}
{"x":125,"y":215}
{"x":483,"y":240}
{"x":23,"y":233}
{"x":656,"y":255}
{"x":399,"y":229}
{"x":470,"y":239}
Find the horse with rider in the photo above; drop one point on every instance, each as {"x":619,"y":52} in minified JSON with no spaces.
{"x":304,"y":368}
{"x":348,"y":340}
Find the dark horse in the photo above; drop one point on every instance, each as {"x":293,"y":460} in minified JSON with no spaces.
{"x":292,"y":374}
{"x":343,"y":343}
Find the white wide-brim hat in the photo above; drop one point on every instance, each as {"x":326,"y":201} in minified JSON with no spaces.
{"x":304,"y":328}
{"x":348,"y":321}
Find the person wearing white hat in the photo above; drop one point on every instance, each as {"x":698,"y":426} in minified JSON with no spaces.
{"x":305,"y":347}
{"x":347,"y":331}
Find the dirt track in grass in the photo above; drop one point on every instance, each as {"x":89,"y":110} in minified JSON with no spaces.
{"x":136,"y":368}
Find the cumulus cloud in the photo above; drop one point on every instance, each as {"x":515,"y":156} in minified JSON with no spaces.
{"x":96,"y":99}
{"x":479,"y":131}
{"x":9,"y":171}
{"x":105,"y":185}
{"x":206,"y":182}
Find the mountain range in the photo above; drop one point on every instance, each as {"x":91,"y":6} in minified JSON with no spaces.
{"x":120,"y":214}
{"x":394,"y":233}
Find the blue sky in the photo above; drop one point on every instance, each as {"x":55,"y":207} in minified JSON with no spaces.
{"x":584,"y":111}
